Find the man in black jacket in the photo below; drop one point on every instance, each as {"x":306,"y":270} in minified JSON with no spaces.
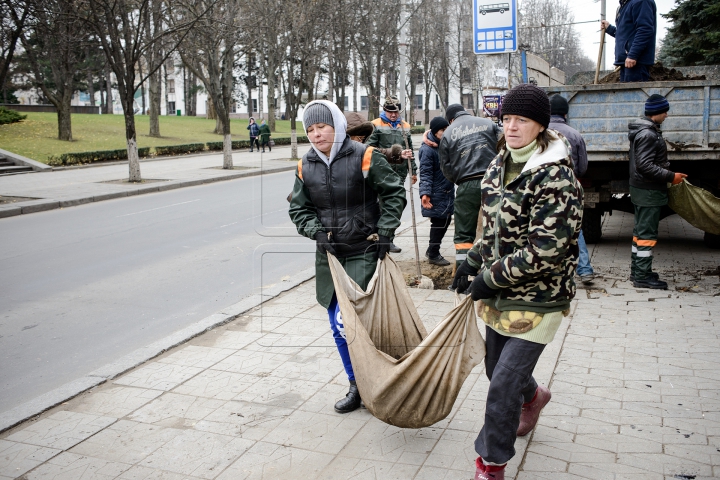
{"x":649,"y":176}
{"x":466,"y":149}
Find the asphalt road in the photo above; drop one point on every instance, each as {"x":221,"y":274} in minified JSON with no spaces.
{"x":83,"y":286}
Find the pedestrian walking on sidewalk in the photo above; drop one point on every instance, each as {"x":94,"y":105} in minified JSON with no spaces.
{"x":254,"y":133}
{"x":524,"y":266}
{"x":335,"y":201}
{"x":436,"y":192}
{"x":390,"y":130}
{"x":558,"y":121}
{"x":265,"y":135}
{"x":466,"y":149}
{"x":649,"y":176}
{"x":634,"y":38}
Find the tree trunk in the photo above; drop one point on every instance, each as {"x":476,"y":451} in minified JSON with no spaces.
{"x":91,"y":88}
{"x":355,"y":84}
{"x":142,"y":88}
{"x":261,"y":107}
{"x":293,"y":138}
{"x":108,"y":92}
{"x":102,"y":99}
{"x":271,"y":97}
{"x":132,"y":149}
{"x":155,"y":99}
{"x":64,"y":121}
{"x":427,"y":106}
{"x":227,"y":150}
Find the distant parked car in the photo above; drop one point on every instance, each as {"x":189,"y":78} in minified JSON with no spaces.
{"x":494,"y":7}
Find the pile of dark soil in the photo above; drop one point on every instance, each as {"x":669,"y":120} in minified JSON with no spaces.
{"x":441,"y":276}
{"x":658,"y":73}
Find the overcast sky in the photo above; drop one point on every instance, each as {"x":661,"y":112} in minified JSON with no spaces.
{"x":590,"y":32}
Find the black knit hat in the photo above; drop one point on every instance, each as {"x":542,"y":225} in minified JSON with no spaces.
{"x":558,"y":105}
{"x":317,"y":113}
{"x":452,"y":111}
{"x":437,"y":124}
{"x":656,"y":104}
{"x":528,"y":101}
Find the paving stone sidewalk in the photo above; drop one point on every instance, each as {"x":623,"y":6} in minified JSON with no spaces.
{"x":253,"y":399}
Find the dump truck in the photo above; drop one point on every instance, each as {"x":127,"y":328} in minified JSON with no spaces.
{"x":601,"y":114}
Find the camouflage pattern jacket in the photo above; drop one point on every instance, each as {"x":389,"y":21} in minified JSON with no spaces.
{"x":528,"y":248}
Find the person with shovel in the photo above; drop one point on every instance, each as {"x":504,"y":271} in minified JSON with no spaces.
{"x":390,"y":130}
{"x":634,"y":38}
{"x":524,"y":265}
{"x":336,"y":202}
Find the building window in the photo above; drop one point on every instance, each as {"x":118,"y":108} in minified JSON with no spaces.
{"x":254,"y":105}
{"x":419,"y":102}
{"x":171,"y":86}
{"x":465,"y":75}
{"x":467,"y":100}
{"x":437,"y":102}
{"x":347,"y":103}
{"x":233,"y":108}
{"x":420,"y":78}
{"x":364,"y":103}
{"x":171,"y":108}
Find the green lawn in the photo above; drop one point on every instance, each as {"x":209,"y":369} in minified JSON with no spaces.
{"x":36,"y":137}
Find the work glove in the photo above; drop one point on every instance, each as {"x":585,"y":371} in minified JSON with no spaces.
{"x":480,"y":290}
{"x":678,"y":178}
{"x":383,"y":246}
{"x":461,"y":282}
{"x":323,"y":243}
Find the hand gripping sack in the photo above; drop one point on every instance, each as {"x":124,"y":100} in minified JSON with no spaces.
{"x":406,"y":377}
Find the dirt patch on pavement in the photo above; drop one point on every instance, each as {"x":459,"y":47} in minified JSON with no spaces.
{"x":441,"y":276}
{"x":658,"y":73}
{"x":5,"y":200}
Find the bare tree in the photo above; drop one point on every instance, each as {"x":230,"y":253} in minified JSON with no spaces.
{"x":270,"y":33}
{"x":376,"y":47}
{"x":210,"y":54}
{"x":55,"y":43}
{"x":546,"y":25}
{"x":13,"y":15}
{"x":153,"y":29}
{"x":121,"y":27}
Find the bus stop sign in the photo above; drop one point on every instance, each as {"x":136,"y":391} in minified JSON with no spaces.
{"x":495,"y":26}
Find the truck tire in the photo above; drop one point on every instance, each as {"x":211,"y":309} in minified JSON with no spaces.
{"x":592,"y":225}
{"x":711,"y":240}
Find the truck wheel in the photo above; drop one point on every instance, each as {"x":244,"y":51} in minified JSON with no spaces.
{"x":711,"y":240}
{"x":592,"y":225}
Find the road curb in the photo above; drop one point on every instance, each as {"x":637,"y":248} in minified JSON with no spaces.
{"x":53,"y":398}
{"x":41,"y":205}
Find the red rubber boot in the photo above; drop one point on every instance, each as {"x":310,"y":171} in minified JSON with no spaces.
{"x":531,"y":411}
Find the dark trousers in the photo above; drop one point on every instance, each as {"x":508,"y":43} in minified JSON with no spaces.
{"x":264,"y":144}
{"x":438,"y":227}
{"x":254,"y":141}
{"x":467,"y":208}
{"x":638,"y":73}
{"x":645,"y":234}
{"x":509,"y":364}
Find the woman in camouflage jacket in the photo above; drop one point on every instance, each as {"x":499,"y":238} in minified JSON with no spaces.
{"x":524,"y":264}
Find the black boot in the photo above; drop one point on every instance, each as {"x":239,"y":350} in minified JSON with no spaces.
{"x":650,"y":283}
{"x":351,"y":401}
{"x":394,"y":248}
{"x":653,"y":276}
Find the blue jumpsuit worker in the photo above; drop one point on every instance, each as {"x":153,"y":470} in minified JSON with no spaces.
{"x":634,"y":38}
{"x":344,"y":192}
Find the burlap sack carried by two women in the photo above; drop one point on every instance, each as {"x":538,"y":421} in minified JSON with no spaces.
{"x":406,"y":377}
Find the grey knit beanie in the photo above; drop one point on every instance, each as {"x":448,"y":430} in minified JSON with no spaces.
{"x":317,"y":113}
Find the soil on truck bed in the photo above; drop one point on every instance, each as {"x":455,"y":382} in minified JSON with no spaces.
{"x":441,"y":276}
{"x":658,"y":73}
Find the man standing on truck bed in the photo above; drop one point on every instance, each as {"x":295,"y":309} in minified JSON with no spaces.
{"x":466,"y":149}
{"x":634,"y":38}
{"x":649,"y":176}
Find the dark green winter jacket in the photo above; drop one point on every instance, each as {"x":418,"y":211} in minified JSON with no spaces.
{"x":385,"y":136}
{"x":374,"y":171}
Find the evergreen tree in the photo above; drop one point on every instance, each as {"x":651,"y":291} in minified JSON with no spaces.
{"x":694,"y":37}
